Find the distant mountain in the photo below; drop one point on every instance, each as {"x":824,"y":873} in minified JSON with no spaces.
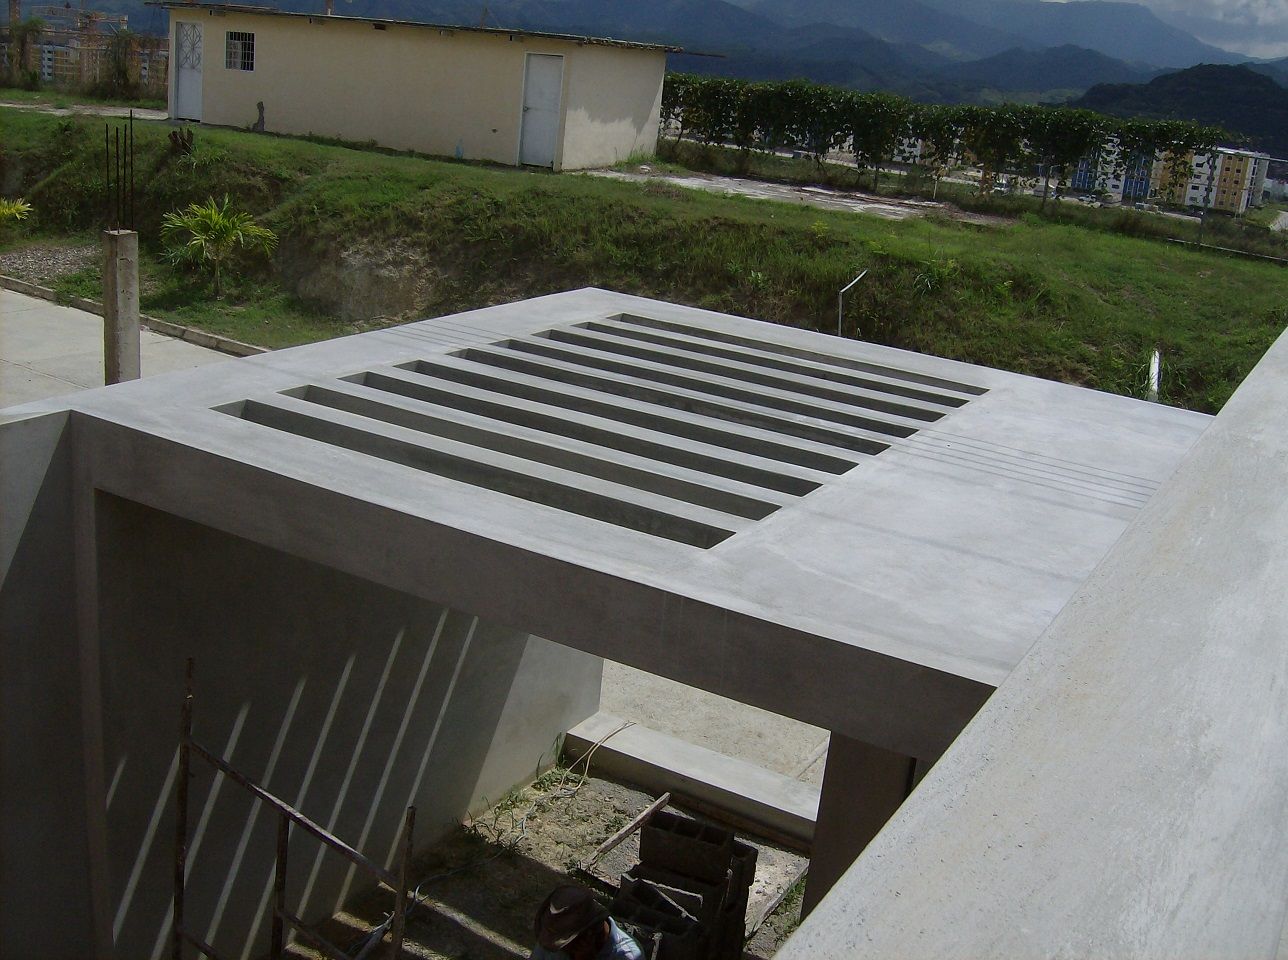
{"x":1276,"y":70}
{"x":1055,"y":68}
{"x":1242,"y":100}
{"x":1126,"y":31}
{"x":897,"y":21}
{"x":931,"y":50}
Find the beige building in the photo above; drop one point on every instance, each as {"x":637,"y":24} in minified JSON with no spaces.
{"x":477,"y":93}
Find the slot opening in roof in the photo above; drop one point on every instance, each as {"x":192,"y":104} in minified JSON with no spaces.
{"x":813,"y":355}
{"x":490,"y":476}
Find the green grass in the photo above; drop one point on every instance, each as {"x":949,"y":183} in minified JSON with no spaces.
{"x":57,"y":97}
{"x":1247,"y":233}
{"x":1052,"y":299}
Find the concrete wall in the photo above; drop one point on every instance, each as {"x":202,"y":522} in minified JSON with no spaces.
{"x":613,"y":106}
{"x":44,"y":844}
{"x":347,"y":699}
{"x":444,"y":92}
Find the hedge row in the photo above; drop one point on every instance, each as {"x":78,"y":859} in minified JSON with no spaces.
{"x":815,"y":119}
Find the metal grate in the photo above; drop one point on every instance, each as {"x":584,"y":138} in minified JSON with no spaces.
{"x":668,"y":429}
{"x":239,"y":50}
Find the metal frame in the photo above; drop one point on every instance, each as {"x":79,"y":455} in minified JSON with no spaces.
{"x":287,"y":816}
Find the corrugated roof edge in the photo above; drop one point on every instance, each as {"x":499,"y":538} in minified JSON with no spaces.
{"x":273,"y":11}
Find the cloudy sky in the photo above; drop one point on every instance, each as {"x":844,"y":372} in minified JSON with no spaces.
{"x":1258,"y":28}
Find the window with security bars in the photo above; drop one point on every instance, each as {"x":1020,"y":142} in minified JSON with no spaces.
{"x":239,"y":51}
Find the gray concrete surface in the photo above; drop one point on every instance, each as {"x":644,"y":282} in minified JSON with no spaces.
{"x":87,"y":109}
{"x":778,"y":805}
{"x":849,"y":201}
{"x":860,"y":538}
{"x":47,"y":350}
{"x":779,"y":744}
{"x":1124,"y":792}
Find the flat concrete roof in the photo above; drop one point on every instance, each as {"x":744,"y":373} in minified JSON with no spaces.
{"x":863,"y":538}
{"x":217,"y":8}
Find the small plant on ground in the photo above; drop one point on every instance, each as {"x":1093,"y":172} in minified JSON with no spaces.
{"x":11,"y":210}
{"x":207,"y":234}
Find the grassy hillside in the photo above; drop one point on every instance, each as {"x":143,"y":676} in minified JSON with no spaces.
{"x":1053,"y":300}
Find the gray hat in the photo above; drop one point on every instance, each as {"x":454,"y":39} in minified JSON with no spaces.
{"x":566,"y":913}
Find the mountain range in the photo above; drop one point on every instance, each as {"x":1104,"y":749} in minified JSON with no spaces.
{"x":1248,"y":103}
{"x":931,"y":50}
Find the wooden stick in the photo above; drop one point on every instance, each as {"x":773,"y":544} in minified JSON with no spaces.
{"x":627,"y":830}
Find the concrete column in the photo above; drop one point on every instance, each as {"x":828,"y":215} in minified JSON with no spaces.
{"x":120,"y":306}
{"x":862,"y":787}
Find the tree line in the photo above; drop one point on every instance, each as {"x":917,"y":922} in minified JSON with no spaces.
{"x":1029,"y":141}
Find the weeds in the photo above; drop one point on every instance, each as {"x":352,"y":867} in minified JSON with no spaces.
{"x":1038,"y":296}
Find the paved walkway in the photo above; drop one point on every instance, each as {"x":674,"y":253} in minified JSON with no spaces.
{"x":47,"y":350}
{"x":824,"y":197}
{"x":91,"y":109}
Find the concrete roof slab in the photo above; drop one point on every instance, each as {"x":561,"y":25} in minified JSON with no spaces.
{"x":916,"y":573}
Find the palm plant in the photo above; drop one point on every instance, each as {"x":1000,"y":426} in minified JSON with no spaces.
{"x":13,"y":210}
{"x":207,"y":234}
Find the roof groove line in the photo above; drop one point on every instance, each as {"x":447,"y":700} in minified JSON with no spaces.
{"x":1052,"y":483}
{"x":993,"y":448}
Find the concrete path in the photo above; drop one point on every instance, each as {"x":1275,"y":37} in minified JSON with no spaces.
{"x":849,"y":201}
{"x":47,"y":350}
{"x":90,"y":109}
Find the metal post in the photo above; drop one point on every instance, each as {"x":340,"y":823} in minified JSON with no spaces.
{"x":840,"y":302}
{"x":181,"y":816}
{"x":400,"y":895}
{"x":278,"y":943}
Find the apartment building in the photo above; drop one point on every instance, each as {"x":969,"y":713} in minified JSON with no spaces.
{"x":1225,"y":179}
{"x":1124,"y":180}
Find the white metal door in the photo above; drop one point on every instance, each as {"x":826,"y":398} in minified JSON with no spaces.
{"x":542,"y":92}
{"x":187,"y":71}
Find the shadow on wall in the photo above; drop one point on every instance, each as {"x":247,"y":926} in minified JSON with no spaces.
{"x":40,"y":730}
{"x":347,"y":699}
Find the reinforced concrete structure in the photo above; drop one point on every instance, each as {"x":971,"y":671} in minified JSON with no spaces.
{"x":1124,"y":792}
{"x":398,"y":558}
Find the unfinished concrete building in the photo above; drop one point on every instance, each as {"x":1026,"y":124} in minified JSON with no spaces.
{"x":398,"y":558}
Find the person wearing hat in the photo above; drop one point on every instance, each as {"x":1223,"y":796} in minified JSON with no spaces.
{"x":572,"y":925}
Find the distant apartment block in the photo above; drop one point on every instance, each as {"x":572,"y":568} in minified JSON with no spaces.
{"x":1126,"y":180}
{"x":1225,"y":179}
